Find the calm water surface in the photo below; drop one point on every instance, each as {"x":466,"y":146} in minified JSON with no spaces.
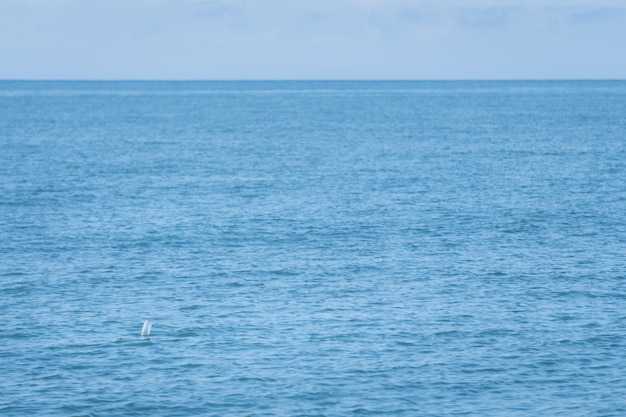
{"x":313,"y":248}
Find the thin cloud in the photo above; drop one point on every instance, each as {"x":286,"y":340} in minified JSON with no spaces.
{"x":488,"y":17}
{"x":596,"y":14}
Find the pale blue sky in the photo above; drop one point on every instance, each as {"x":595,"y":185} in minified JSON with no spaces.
{"x":312,"y":39}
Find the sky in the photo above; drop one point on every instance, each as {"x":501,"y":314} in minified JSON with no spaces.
{"x":312,"y":39}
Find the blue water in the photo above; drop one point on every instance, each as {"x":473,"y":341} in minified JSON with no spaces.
{"x":313,"y":248}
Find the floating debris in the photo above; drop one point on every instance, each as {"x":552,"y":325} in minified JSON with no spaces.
{"x":147,"y":326}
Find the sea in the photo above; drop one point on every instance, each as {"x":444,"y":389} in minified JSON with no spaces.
{"x":313,"y":248}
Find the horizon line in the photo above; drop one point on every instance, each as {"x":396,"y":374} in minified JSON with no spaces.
{"x":303,"y":79}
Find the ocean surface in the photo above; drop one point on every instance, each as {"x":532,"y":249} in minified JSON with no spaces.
{"x":313,"y":248}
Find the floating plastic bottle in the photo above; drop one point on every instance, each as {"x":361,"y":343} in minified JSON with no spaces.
{"x":147,"y":326}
